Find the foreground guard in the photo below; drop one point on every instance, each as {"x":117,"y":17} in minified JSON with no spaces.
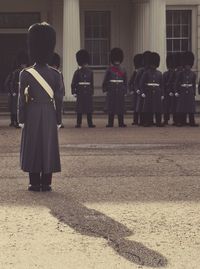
{"x":185,"y":88}
{"x":83,"y":88}
{"x":138,"y":64}
{"x":40,"y":104}
{"x":152,"y":92}
{"x":115,"y":85}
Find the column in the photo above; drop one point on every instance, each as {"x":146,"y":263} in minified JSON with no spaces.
{"x":71,"y":42}
{"x":157,"y":23}
{"x":140,"y":26}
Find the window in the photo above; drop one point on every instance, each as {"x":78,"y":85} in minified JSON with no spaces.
{"x":97,"y":37}
{"x":179,"y":24}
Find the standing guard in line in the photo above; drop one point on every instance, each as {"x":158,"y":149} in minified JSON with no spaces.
{"x":82,"y":88}
{"x":55,"y":63}
{"x":179,"y":67}
{"x":152,"y":92}
{"x":138,"y":64}
{"x":185,"y":91}
{"x":40,"y":105}
{"x":168,"y":84}
{"x":140,"y":100}
{"x":21,"y":62}
{"x":115,"y":85}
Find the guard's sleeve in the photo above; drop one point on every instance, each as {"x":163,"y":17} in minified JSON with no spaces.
{"x":92,"y":83}
{"x":142,"y":82}
{"x":58,"y":96}
{"x":74,"y":83}
{"x":125,"y":83}
{"x":105,"y":82}
{"x":194,"y":83}
{"x":22,"y":99}
{"x":177,"y":83}
{"x":162,"y":84}
{"x":131,"y":82}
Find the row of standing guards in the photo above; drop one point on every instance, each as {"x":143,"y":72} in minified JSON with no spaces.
{"x":155,"y":96}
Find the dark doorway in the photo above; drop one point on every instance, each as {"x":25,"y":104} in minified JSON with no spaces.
{"x":10,"y":45}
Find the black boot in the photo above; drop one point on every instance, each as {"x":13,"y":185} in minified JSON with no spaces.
{"x":46,"y":180}
{"x":34,"y":179}
{"x":110,"y":121}
{"x":121,"y":121}
{"x":158,"y":120}
{"x":89,"y":121}
{"x":192,"y":120}
{"x":135,"y":118}
{"x":79,"y":120}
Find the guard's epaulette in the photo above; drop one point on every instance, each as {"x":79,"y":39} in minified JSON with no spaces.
{"x":55,"y":69}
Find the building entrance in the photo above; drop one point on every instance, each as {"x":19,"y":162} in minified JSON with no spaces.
{"x":10,"y":45}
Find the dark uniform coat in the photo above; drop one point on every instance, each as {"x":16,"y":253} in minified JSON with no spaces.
{"x":14,"y":91}
{"x":115,"y":85}
{"x":185,"y":86}
{"x":132,"y":89}
{"x":168,"y":85}
{"x":152,"y":86}
{"x":137,"y":84}
{"x":39,"y":145}
{"x":83,"y":87}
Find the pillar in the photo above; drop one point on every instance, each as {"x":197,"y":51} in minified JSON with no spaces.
{"x":71,"y":42}
{"x":157,"y":24}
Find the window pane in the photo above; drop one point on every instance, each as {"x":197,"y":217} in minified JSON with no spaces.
{"x":97,"y":36}
{"x":177,"y":31}
{"x":179,"y":23}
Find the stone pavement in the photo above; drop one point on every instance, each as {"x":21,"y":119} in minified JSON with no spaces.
{"x":126,"y":198}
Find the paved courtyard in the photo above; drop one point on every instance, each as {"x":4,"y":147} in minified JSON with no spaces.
{"x":126,"y":199}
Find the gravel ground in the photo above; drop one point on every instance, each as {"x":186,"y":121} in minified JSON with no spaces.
{"x":125,"y":199}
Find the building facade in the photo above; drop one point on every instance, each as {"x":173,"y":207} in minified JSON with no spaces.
{"x":98,"y":25}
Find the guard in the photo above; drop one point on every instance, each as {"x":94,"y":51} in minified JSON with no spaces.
{"x":152,"y":92}
{"x":40,"y":105}
{"x":115,"y":85}
{"x":185,"y":91}
{"x":138,"y":64}
{"x":82,"y":88}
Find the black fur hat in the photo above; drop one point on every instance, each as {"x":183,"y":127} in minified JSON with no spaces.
{"x":116,"y":55}
{"x":179,"y":59}
{"x":146,"y":58}
{"x":82,"y":57}
{"x":155,"y":59}
{"x":170,"y":61}
{"x":22,"y":58}
{"x":55,"y":60}
{"x":138,"y":61}
{"x":188,"y":58}
{"x":41,"y":42}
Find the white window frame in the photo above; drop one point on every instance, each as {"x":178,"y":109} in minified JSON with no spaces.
{"x":194,"y":27}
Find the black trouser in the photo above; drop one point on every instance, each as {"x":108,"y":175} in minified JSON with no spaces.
{"x":135,"y":118}
{"x":181,"y":118}
{"x":89,"y":119}
{"x":40,"y":179}
{"x":166,"y":117}
{"x":111,"y":119}
{"x":148,"y":118}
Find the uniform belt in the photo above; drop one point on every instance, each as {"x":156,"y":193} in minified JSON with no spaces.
{"x":153,"y":84}
{"x":84,"y":83}
{"x":186,"y":85}
{"x":40,"y":101}
{"x":116,"y":80}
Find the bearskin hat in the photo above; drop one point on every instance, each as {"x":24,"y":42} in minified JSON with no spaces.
{"x":146,"y":58}
{"x":170,"y":61}
{"x":138,"y":61}
{"x":188,"y":58}
{"x":55,"y":60}
{"x":22,"y":58}
{"x":179,"y":59}
{"x":155,"y":59}
{"x":41,"y":42}
{"x":116,"y":55}
{"x":82,"y":57}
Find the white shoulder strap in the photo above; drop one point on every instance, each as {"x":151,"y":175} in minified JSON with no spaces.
{"x":41,"y":81}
